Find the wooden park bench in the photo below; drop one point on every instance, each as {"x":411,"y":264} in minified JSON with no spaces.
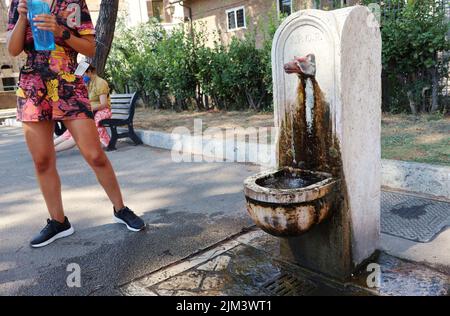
{"x":122,"y":108}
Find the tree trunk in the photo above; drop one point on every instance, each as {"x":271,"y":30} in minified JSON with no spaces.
{"x":409,"y":81}
{"x":206,"y":102}
{"x":434,"y":90}
{"x":412,"y":102}
{"x":199,"y":99}
{"x":424,"y":107}
{"x":250,"y":101}
{"x":105,"y":28}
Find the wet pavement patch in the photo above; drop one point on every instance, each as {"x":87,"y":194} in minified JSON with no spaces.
{"x":411,"y":217}
{"x":398,"y":276}
{"x":251,"y":265}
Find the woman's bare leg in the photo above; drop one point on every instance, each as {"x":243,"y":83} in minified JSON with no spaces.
{"x":39,"y":138}
{"x":85,"y":134}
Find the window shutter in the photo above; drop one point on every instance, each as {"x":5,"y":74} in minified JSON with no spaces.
{"x":240,"y":18}
{"x":231,"y":20}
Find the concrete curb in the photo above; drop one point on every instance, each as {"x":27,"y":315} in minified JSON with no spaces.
{"x":213,"y":149}
{"x":9,"y":121}
{"x":416,"y":177}
{"x":398,"y":175}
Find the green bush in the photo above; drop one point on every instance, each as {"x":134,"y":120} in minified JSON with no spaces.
{"x":178,"y":70}
{"x":414,"y":33}
{"x":133,"y":64}
{"x":236,"y":76}
{"x":214,"y":76}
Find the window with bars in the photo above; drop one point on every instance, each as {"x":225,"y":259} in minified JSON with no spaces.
{"x":155,"y":8}
{"x":236,"y":18}
{"x":285,"y":7}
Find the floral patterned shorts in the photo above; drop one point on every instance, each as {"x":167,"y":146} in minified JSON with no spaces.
{"x":61,"y":97}
{"x":48,"y":87}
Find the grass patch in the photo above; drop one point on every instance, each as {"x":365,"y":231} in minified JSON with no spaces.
{"x":423,"y":138}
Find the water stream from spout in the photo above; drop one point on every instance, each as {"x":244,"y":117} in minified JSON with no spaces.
{"x":294,"y":162}
{"x":309,"y":104}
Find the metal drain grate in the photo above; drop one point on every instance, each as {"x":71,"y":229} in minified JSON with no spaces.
{"x":411,"y":217}
{"x":288,"y":285}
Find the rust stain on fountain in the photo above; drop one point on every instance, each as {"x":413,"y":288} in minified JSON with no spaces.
{"x":333,"y":224}
{"x":306,"y":188}
{"x":317,"y":149}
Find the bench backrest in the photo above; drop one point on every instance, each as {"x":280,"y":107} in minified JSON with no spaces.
{"x":123,"y":106}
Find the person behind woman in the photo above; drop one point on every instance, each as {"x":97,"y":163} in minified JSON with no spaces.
{"x":100,"y":104}
{"x":49,"y":91}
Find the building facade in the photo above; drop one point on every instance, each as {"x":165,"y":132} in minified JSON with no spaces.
{"x":135,"y":11}
{"x":140,"y":11}
{"x":222,"y":19}
{"x":225,"y":19}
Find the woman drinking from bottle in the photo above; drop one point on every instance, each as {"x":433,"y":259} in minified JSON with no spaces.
{"x":48,"y":91}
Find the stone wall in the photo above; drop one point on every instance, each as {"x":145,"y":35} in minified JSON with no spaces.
{"x":7,"y":100}
{"x":214,"y":17}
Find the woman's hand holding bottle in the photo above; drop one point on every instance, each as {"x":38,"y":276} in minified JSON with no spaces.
{"x":48,"y":22}
{"x":22,"y":9}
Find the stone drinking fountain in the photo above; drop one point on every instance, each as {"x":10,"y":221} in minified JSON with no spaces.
{"x":323,"y":196}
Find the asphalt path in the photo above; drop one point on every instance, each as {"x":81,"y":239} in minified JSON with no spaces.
{"x":187,"y":206}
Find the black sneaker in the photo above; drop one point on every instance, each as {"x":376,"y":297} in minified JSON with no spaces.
{"x":127,"y":217}
{"x":52,"y":231}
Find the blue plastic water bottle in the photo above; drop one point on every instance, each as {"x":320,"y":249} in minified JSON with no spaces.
{"x":43,"y":40}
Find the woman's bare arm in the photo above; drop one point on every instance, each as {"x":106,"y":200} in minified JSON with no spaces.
{"x":16,"y":37}
{"x":84,"y":45}
{"x":103,"y":103}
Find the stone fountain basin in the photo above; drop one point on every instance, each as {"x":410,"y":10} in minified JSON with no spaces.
{"x":288,"y":202}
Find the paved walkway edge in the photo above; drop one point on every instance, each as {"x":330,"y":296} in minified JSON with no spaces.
{"x":414,"y":177}
{"x":137,"y":287}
